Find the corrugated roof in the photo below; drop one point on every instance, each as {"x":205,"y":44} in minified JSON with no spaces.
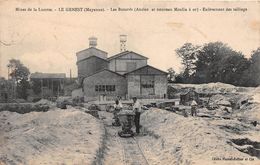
{"x":124,"y":53}
{"x":47,"y":75}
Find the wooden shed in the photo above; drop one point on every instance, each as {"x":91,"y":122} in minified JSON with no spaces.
{"x":186,"y":98}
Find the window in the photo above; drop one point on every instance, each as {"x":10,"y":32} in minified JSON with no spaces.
{"x":105,"y":88}
{"x":113,"y":88}
{"x":148,"y":85}
{"x":108,"y":87}
{"x":147,"y":81}
{"x":99,"y":88}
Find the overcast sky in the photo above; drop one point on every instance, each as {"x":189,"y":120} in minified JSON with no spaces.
{"x":48,"y":41}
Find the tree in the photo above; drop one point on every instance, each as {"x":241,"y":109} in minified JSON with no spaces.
{"x":171,"y":75}
{"x":233,"y":68}
{"x":179,"y":78}
{"x":217,"y":62}
{"x":20,"y":73}
{"x":254,"y":68}
{"x":209,"y":64}
{"x":188,"y":53}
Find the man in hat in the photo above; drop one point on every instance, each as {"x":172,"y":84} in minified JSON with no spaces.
{"x":137,"y":110}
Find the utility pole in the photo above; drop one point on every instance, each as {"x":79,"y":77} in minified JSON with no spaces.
{"x":8,"y":67}
{"x":70,"y":76}
{"x":42,"y":88}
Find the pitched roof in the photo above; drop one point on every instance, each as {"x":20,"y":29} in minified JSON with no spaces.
{"x":38,"y":75}
{"x":91,"y":57}
{"x":143,"y":68}
{"x":104,"y":70}
{"x":125,"y":53}
{"x":91,"y":48}
{"x":188,"y":91}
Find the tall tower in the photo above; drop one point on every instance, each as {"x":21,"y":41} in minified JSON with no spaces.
{"x":123,"y":39}
{"x":92,"y":42}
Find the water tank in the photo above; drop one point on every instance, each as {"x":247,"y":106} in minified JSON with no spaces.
{"x":92,"y":41}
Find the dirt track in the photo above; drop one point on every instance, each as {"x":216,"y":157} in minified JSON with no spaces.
{"x":119,"y":151}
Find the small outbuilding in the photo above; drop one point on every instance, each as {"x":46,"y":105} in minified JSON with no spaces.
{"x":186,"y":98}
{"x":50,"y":84}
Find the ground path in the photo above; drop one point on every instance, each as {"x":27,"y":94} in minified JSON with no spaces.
{"x":120,"y":151}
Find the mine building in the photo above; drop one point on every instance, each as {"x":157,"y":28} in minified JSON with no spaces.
{"x":126,"y":74}
{"x":91,"y":60}
{"x":50,"y":84}
{"x":126,"y":61}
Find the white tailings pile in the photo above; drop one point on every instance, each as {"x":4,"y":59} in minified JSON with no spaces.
{"x":174,"y":139}
{"x":53,"y":137}
{"x":212,"y":87}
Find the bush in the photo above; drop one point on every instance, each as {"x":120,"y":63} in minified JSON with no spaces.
{"x":24,"y":108}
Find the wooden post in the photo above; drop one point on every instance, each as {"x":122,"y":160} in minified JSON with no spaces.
{"x":58,"y":90}
{"x":42,"y":87}
{"x":70,"y":76}
{"x":59,"y":87}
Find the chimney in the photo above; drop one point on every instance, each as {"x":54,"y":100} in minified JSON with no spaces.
{"x":123,"y":42}
{"x":92,"y":41}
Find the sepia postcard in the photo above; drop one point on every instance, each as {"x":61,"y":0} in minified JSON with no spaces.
{"x":148,"y":82}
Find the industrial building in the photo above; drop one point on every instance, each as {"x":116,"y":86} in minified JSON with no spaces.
{"x":7,"y":90}
{"x":126,"y":74}
{"x":50,"y":84}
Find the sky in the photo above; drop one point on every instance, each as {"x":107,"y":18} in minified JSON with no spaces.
{"x":48,"y":41}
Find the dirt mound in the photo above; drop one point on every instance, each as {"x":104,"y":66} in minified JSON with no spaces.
{"x":44,"y":102}
{"x":187,"y":140}
{"x":220,"y":100}
{"x":256,"y":94}
{"x":53,"y":137}
{"x":208,"y":88}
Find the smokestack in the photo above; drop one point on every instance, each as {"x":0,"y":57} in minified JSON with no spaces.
{"x":92,"y":41}
{"x":123,"y":39}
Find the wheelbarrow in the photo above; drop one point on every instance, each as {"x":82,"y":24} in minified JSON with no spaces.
{"x":126,"y":118}
{"x":117,"y":121}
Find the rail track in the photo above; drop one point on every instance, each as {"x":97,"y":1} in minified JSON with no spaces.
{"x":133,"y":155}
{"x":125,"y":151}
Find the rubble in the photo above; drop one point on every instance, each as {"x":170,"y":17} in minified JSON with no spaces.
{"x":220,"y":100}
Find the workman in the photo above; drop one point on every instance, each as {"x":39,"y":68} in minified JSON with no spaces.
{"x":117,"y":107}
{"x":137,"y":109}
{"x":193,"y":108}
